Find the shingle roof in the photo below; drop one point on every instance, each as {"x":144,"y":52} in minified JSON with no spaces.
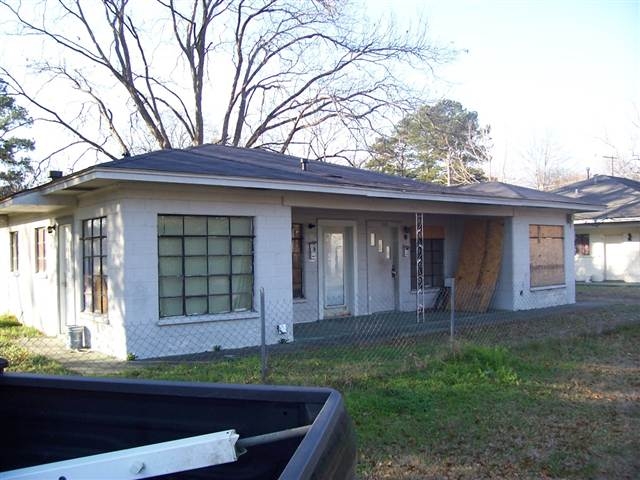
{"x":222,"y":160}
{"x":225,"y":165}
{"x":620,"y":195}
{"x":506,"y":190}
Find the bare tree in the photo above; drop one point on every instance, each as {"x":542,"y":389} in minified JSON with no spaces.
{"x":155,"y":78}
{"x":544,"y":161}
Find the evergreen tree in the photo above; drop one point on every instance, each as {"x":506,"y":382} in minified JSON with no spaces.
{"x":15,"y":169}
{"x":442,"y":143}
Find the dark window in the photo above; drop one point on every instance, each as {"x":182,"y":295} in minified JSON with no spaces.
{"x":41,"y":258}
{"x":13,"y":251}
{"x":433,"y":262}
{"x":583,"y":245}
{"x":205,"y":264}
{"x":94,"y":265}
{"x":297,"y":259}
{"x":546,"y":255}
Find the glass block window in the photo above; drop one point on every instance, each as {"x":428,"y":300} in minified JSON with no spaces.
{"x":205,"y":264}
{"x":94,"y":265}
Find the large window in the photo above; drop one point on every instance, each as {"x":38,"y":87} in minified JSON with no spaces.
{"x":40,"y":250}
{"x":205,"y":264}
{"x":432,"y":257}
{"x":13,"y":251}
{"x":546,"y":252}
{"x":297,"y":259}
{"x":94,"y":265}
{"x":583,"y":244}
{"x":433,"y":261}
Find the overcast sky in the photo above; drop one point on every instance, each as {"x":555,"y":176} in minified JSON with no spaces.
{"x":559,"y":69}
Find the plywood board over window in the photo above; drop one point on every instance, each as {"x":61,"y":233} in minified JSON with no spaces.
{"x":478,"y":264}
{"x":546,"y":251}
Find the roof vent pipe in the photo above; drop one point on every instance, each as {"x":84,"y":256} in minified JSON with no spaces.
{"x":304,"y":164}
{"x":55,"y":174}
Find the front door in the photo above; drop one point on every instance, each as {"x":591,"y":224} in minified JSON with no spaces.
{"x":336,"y":273}
{"x":614,"y":257}
{"x":66,"y":310}
{"x":382,"y":261}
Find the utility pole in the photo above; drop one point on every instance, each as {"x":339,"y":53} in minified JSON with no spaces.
{"x":612,"y":158}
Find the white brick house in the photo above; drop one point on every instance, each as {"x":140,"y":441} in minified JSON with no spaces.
{"x":607,"y":241}
{"x":165,"y":253}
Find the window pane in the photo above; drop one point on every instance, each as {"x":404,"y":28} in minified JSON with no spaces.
{"x":96,"y":227}
{"x":241,"y":246}
{"x":170,"y":246}
{"x":195,"y":286}
{"x":242,"y":283}
{"x":170,"y":307}
{"x":219,"y":265}
{"x":96,"y":266}
{"x":195,"y":225}
{"x":219,"y":285}
{"x":219,"y":304}
{"x":195,"y":246}
{"x":195,"y":265}
{"x":218,"y":226}
{"x":170,"y":287}
{"x":196,"y":305}
{"x":241,"y":302}
{"x":242,"y":264}
{"x":170,"y":266}
{"x":218,"y":246}
{"x":241,"y":226}
{"x":169,"y":225}
{"x":96,"y":247}
{"x":86,"y":228}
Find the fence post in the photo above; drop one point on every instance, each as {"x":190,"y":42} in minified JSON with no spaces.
{"x":452,"y":312}
{"x":263,"y":339}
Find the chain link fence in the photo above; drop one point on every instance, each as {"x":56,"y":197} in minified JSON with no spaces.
{"x":269,"y":345}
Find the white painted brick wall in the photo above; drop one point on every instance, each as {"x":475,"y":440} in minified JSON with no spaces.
{"x":525,"y":297}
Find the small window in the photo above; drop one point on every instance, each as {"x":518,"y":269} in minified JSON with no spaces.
{"x":94,"y":265}
{"x":546,"y":255}
{"x":41,"y":258}
{"x":13,"y":251}
{"x":297,"y":259}
{"x":583,"y":244}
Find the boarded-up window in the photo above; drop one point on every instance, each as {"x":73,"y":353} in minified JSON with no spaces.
{"x":546,"y":250}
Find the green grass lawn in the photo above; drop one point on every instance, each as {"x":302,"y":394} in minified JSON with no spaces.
{"x":551,"y":408}
{"x":12,"y":339}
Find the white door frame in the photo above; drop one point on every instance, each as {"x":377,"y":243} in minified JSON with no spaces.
{"x":352,"y":288}
{"x":66,"y":269}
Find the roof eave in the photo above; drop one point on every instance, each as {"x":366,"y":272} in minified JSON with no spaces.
{"x":98,"y":174}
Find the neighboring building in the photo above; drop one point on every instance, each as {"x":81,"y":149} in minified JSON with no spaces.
{"x":607,"y":242}
{"x":149,"y":251}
